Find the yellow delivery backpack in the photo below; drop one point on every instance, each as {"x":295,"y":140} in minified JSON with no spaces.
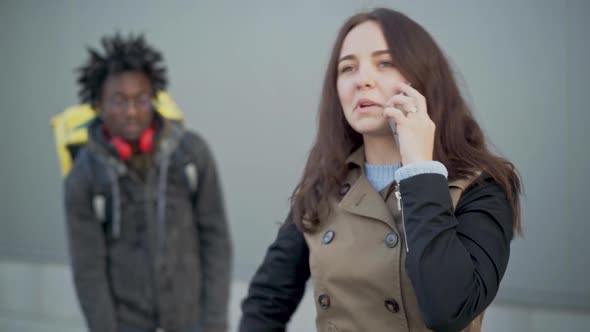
{"x":70,"y":127}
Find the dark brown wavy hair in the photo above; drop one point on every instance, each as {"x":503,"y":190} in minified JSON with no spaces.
{"x":459,"y":141}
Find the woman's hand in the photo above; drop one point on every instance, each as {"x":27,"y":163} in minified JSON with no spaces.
{"x":415,"y":129}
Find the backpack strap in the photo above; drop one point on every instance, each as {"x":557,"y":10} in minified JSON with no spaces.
{"x":192,"y":176}
{"x":188,"y":160}
{"x":99,"y":206}
{"x":101,"y":186}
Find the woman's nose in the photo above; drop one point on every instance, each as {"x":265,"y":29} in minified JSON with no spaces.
{"x":364,"y":78}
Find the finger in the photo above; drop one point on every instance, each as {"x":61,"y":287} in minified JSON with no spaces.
{"x":418,"y":98}
{"x":403,"y":103}
{"x":398,"y":116}
{"x":400,"y":99}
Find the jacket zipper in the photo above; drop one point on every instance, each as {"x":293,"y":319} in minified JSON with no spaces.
{"x":400,"y":207}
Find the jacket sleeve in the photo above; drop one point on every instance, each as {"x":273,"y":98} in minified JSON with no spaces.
{"x":455,"y":261}
{"x":279,"y":283}
{"x":214,"y":240}
{"x":88,"y":254}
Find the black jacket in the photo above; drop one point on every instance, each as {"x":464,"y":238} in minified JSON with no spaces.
{"x":455,"y":263}
{"x":159,"y":253}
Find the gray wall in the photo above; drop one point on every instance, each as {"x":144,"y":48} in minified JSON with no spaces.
{"x":248,"y":76}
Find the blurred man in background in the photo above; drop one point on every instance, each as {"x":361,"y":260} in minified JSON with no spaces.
{"x":149,"y":240}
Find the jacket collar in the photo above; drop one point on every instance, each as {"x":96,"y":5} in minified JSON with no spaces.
{"x":357,"y":158}
{"x":362,"y":198}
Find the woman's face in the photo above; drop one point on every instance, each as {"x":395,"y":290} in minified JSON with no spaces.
{"x":367,"y":77}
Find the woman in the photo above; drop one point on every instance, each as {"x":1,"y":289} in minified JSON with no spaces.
{"x":399,"y":232}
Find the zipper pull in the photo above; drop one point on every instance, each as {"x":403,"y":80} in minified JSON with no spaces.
{"x":398,"y":195}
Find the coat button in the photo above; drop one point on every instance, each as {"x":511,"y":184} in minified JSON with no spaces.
{"x":328,"y":237}
{"x":391,"y":239}
{"x":324,"y":301}
{"x":344,"y":189}
{"x":392,"y":305}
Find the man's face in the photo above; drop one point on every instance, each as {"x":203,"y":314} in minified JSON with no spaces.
{"x":125,"y":106}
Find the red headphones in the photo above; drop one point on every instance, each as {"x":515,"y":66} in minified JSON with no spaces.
{"x":145,"y":144}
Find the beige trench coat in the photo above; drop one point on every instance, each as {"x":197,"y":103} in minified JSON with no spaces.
{"x":357,"y":261}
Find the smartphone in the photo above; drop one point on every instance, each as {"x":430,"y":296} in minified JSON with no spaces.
{"x":393,"y":130}
{"x":392,"y":123}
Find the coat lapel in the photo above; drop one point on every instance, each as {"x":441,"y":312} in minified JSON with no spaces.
{"x":362,"y":199}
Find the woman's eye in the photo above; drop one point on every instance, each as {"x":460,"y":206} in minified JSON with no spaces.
{"x":386,"y":64}
{"x":345,"y":69}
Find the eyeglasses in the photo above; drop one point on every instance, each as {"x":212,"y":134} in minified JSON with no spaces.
{"x":119,"y":103}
